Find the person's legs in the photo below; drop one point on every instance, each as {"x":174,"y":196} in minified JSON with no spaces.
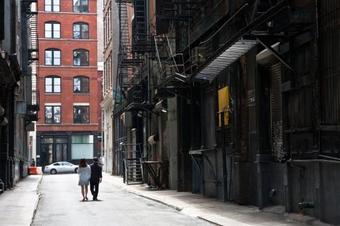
{"x":95,"y":191}
{"x":86,"y":190}
{"x":83,"y":191}
{"x":92,"y":189}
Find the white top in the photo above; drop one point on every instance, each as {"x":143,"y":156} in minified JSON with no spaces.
{"x":84,"y":173}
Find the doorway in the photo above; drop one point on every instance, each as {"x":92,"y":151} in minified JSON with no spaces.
{"x":53,"y":149}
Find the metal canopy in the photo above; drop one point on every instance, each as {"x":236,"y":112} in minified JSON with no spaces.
{"x":225,"y":59}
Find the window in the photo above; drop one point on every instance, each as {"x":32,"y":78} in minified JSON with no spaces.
{"x":52,"y":5}
{"x":52,"y":114}
{"x":52,"y":30}
{"x":80,"y":31}
{"x":80,"y":57}
{"x":81,"y":84}
{"x":82,"y":146}
{"x":52,"y":57}
{"x":80,"y":6}
{"x":81,"y":114}
{"x":52,"y":84}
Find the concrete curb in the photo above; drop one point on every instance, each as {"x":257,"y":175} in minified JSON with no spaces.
{"x":157,"y":200}
{"x":211,"y":222}
{"x":36,"y":204}
{"x":177,"y":208}
{"x":211,"y":218}
{"x":133,"y":191}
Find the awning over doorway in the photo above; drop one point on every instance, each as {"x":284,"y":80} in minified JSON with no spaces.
{"x":226,"y":58}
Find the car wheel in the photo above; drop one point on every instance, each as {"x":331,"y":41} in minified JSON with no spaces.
{"x":76,"y":170}
{"x":53,"y":171}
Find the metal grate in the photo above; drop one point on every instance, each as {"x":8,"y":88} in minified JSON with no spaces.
{"x":229,"y":56}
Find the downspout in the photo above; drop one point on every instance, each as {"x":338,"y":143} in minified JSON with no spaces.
{"x":149,"y":91}
{"x":318,"y":188}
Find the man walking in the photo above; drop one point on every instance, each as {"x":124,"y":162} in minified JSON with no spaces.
{"x":96,"y":178}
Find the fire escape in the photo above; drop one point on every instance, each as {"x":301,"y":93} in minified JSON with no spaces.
{"x":173,"y":65}
{"x":131,"y":89}
{"x":130,"y":62}
{"x":31,"y":13}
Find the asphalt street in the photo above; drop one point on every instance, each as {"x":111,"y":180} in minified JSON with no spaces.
{"x":60,"y":204}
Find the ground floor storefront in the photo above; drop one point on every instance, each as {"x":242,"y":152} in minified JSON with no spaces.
{"x":67,"y":146}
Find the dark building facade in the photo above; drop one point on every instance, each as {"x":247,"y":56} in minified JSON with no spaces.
{"x":16,"y":109}
{"x":236,"y":100}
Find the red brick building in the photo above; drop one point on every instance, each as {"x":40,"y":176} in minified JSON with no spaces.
{"x":69,"y":84}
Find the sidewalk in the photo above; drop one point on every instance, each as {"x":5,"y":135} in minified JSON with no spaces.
{"x":20,"y":204}
{"x":17,"y":206}
{"x":213,"y":211}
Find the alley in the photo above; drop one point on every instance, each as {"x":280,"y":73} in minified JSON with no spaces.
{"x":60,"y":205}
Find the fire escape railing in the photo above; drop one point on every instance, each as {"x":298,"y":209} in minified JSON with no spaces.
{"x":124,"y":45}
{"x":133,"y":39}
{"x":31,"y":52}
{"x":32,"y":18}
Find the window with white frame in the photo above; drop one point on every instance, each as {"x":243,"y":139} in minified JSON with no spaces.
{"x":52,"y":114}
{"x":81,"y":84}
{"x":52,"y":84}
{"x":80,"y":6}
{"x":52,"y":29}
{"x":80,"y":31}
{"x":52,"y":5}
{"x":52,"y":57}
{"x":80,"y":57}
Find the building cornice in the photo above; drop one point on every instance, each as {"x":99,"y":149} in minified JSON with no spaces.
{"x":68,"y":13}
{"x":67,"y":39}
{"x":75,"y":67}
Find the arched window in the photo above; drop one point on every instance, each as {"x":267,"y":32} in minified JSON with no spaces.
{"x":52,"y":5}
{"x":52,"y":84}
{"x":81,"y":84}
{"x":52,"y":57}
{"x":80,"y":30}
{"x":80,"y":57}
{"x":80,"y":6}
{"x":52,"y":29}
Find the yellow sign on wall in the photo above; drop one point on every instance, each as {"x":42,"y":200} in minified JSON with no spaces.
{"x":223,"y":106}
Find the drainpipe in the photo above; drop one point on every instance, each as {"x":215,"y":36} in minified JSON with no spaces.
{"x":224,"y":164}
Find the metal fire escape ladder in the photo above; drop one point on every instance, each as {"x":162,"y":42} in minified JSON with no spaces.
{"x":170,"y":64}
{"x":122,"y":54}
{"x":130,"y":65}
{"x":32,"y":17}
{"x":133,"y":173}
{"x":178,"y":13}
{"x":139,"y":38}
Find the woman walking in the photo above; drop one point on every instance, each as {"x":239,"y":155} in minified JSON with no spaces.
{"x":84,"y":172}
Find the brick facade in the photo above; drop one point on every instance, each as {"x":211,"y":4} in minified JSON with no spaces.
{"x":66,"y":98}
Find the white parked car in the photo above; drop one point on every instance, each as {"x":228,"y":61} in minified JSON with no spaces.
{"x":61,"y":167}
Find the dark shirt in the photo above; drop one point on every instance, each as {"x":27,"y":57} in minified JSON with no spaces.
{"x":96,"y":173}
